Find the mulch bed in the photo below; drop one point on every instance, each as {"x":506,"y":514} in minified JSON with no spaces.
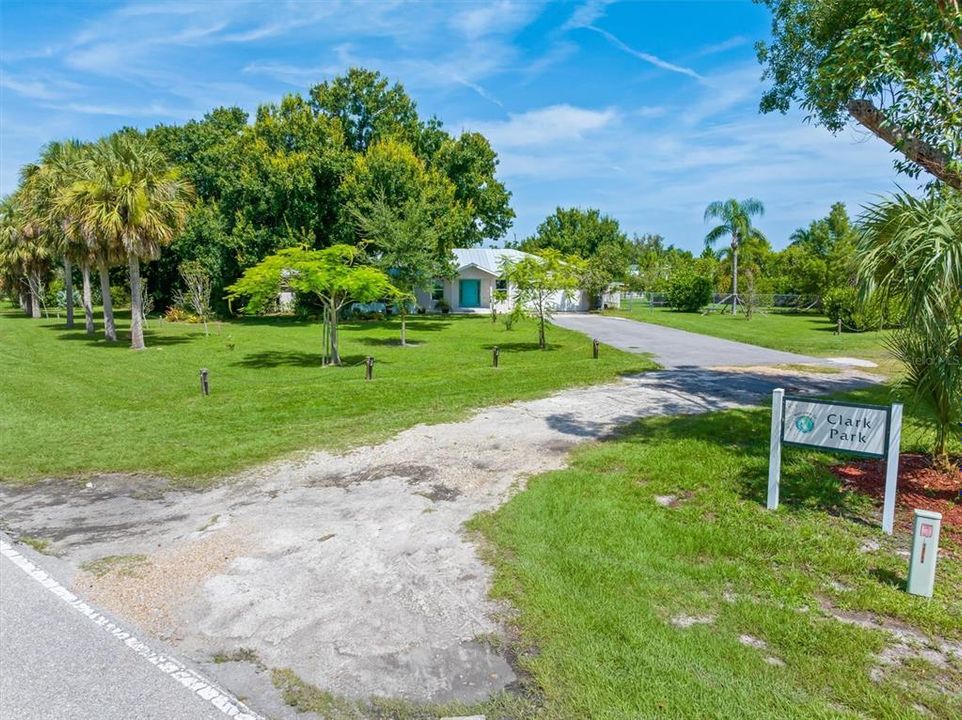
{"x":920,"y":486}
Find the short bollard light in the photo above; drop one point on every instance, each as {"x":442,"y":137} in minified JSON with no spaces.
{"x":495,"y":356}
{"x":594,"y":348}
{"x":369,"y":368}
{"x":925,"y":551}
{"x":204,"y":382}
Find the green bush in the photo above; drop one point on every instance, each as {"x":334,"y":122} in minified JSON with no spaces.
{"x":688,"y":291}
{"x":843,"y":303}
{"x":120,"y":296}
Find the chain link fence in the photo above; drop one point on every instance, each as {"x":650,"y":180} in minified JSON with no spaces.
{"x":722,"y":301}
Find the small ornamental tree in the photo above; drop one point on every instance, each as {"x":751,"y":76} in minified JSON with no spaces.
{"x":406,"y":239}
{"x":538,"y":281}
{"x":333,"y":275}
{"x":196,"y":296}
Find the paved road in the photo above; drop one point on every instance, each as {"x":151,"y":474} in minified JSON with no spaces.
{"x":61,"y":659}
{"x":676,"y":348}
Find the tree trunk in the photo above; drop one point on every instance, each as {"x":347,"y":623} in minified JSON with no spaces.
{"x":929,"y":158}
{"x":136,"y":305}
{"x":541,"y":339}
{"x":24,"y":300}
{"x":110,"y":330}
{"x":68,"y":288}
{"x":404,"y":328}
{"x":325,"y":339}
{"x":335,"y":355}
{"x":88,"y":301}
{"x":734,"y":277}
{"x":34,"y":282}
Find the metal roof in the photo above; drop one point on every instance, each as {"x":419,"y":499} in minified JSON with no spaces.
{"x":487,"y":259}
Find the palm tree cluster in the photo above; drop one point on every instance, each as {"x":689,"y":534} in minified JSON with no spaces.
{"x":96,"y":206}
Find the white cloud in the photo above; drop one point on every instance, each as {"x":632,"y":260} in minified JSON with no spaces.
{"x":298,"y":76}
{"x":480,"y":91}
{"x":587,"y":14}
{"x":647,"y":57}
{"x":545,"y":126}
{"x":649,"y":112}
{"x":495,"y":17}
{"x":31,"y":88}
{"x":150,"y":110}
{"x":655,"y":168}
{"x":723,"y":46}
{"x":558,"y":53}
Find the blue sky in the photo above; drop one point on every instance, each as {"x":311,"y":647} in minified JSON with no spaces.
{"x":646,"y":110}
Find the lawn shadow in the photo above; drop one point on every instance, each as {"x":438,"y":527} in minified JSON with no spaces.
{"x":151,"y":339}
{"x":394,"y":324}
{"x":520,"y":346}
{"x":287,"y":358}
{"x":280,"y":358}
{"x":426,"y":325}
{"x":272,"y":320}
{"x":739,"y":431}
{"x":386,"y":342}
{"x":887,"y":577}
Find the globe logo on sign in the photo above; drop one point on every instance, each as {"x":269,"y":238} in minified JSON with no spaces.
{"x":804,"y":423}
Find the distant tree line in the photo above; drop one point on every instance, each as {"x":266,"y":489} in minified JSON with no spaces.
{"x":351,"y":163}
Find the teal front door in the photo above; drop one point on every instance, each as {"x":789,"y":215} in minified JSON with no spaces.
{"x":469,"y":293}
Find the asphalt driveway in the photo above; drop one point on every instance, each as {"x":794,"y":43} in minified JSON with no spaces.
{"x":677,"y":348}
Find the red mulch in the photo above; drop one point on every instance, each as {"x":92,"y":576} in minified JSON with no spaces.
{"x":920,"y":486}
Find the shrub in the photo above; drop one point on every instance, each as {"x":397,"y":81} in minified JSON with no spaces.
{"x":120,"y":295}
{"x":932,"y":369}
{"x":843,"y":303}
{"x":688,"y":291}
{"x":176,"y":314}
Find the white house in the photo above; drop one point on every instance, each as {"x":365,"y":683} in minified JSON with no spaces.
{"x":479,"y":276}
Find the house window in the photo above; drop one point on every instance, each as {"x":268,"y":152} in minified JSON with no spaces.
{"x":501,"y":285}
{"x":437,"y":292}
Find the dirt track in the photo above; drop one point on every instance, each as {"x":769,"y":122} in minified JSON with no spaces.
{"x":353,"y":570}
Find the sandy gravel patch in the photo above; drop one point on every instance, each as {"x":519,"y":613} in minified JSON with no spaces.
{"x":354,"y":570}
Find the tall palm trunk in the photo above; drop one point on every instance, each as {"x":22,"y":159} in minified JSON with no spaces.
{"x":734,"y":276}
{"x":136,"y":305}
{"x":68,"y":288}
{"x":110,"y":330}
{"x":88,"y":301}
{"x":34,"y":282}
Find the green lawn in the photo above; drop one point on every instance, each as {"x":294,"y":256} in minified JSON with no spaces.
{"x":804,"y":333}
{"x":71,"y":405}
{"x":597,"y":571}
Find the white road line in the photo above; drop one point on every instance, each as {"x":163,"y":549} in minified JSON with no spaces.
{"x":196,"y":683}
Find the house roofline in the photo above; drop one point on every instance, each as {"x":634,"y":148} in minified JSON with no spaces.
{"x":478,"y":267}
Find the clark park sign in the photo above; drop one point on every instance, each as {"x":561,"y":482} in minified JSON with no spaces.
{"x":861,"y":429}
{"x":871,"y":431}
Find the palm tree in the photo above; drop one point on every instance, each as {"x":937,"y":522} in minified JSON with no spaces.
{"x":736,"y":223}
{"x":24,"y":256}
{"x":73,"y":202}
{"x":911,"y":251}
{"x":134,"y":202}
{"x":44,"y":184}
